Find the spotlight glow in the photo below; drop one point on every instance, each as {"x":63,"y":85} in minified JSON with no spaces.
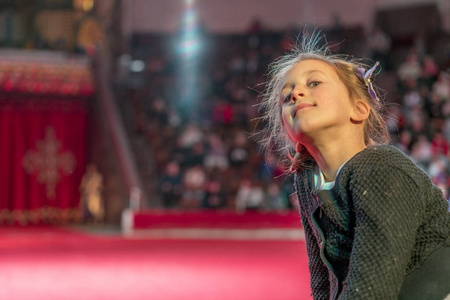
{"x":190,"y":38}
{"x":137,"y":66}
{"x":189,"y":47}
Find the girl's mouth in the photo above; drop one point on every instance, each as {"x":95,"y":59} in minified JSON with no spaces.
{"x":301,"y":106}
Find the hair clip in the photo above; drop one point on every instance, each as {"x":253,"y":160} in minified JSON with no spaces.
{"x":366,"y":77}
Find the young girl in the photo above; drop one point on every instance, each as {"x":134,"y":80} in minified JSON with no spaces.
{"x":375,"y":225}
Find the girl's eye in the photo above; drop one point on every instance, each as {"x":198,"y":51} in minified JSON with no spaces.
{"x":314,"y":83}
{"x":287,"y":98}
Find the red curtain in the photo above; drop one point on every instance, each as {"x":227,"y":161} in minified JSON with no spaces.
{"x":43,"y":155}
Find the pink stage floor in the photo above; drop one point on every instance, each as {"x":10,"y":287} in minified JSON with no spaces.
{"x":73,"y":263}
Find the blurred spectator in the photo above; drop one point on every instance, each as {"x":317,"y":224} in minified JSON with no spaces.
{"x":193,"y":186}
{"x":439,"y":144}
{"x":412,"y":100}
{"x":405,"y":141}
{"x":194,"y":155}
{"x":190,"y":136}
{"x":271,"y":168}
{"x":214,"y":192}
{"x":239,"y":152}
{"x":276,"y":199}
{"x":410,"y":69}
{"x":445,"y":192}
{"x":446,"y":129}
{"x":419,"y":128}
{"x":216,"y":154}
{"x":158,"y":112}
{"x":237,"y":64}
{"x":441,"y":88}
{"x":430,"y":71}
{"x":249,"y":196}
{"x":252,"y":62}
{"x":432,"y":108}
{"x":421,"y":152}
{"x":438,"y":170}
{"x":171,"y":185}
{"x":380,"y":45}
{"x":223,"y":113}
{"x":173,"y":117}
{"x":395,"y":120}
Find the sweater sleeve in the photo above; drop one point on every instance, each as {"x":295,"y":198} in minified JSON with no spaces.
{"x":386,"y":202}
{"x":320,"y":285}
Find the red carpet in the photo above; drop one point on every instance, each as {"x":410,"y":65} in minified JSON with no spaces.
{"x":61,"y":263}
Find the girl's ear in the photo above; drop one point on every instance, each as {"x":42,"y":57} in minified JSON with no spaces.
{"x":360,"y":112}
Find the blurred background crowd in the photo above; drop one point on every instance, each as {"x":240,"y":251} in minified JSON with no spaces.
{"x":212,"y":158}
{"x":188,"y":100}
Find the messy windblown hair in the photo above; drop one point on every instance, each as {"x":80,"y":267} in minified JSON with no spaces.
{"x":346,"y":67}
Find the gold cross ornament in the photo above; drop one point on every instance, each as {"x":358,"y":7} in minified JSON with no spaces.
{"x":48,"y":162}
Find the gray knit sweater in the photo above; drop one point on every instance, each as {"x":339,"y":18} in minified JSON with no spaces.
{"x":379,"y":222}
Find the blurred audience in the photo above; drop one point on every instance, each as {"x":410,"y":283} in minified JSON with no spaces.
{"x":214,"y":162}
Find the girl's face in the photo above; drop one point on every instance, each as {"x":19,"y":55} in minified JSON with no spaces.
{"x":314,"y":101}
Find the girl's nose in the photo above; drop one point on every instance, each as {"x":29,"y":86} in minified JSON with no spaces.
{"x":296,"y":94}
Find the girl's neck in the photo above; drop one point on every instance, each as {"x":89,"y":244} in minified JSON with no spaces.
{"x":331,"y":156}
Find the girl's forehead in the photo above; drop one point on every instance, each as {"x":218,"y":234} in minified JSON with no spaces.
{"x":307,"y":67}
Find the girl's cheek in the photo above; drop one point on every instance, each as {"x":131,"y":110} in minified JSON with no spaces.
{"x":287,"y":119}
{"x":288,"y":122}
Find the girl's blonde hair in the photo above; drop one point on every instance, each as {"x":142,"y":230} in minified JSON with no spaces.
{"x":346,"y":67}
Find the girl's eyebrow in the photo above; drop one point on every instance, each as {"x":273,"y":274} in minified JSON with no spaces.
{"x":307,"y":73}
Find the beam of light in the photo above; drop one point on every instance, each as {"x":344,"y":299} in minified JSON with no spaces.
{"x":189,"y":47}
{"x":190,"y":36}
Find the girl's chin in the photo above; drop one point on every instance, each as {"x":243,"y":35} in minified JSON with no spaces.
{"x":302,"y":138}
{"x":302,"y":133}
